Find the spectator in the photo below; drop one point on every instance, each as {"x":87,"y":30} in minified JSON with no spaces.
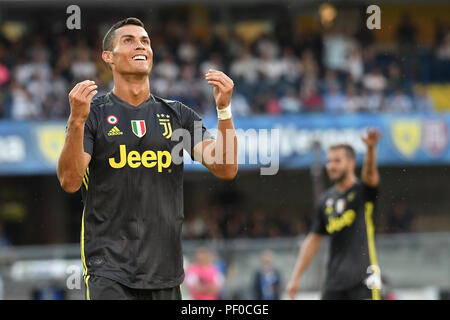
{"x":422,"y":101}
{"x":83,"y":67}
{"x":240,"y":104}
{"x":375,"y":80}
{"x":267,"y":280}
{"x":267,"y":47}
{"x":245,"y":67}
{"x":292,"y":66}
{"x":352,"y":100}
{"x":311,"y":100}
{"x":271,"y":68}
{"x":290,"y":103}
{"x":443,"y":51}
{"x":214,"y":62}
{"x":399,"y":102}
{"x":371,"y":101}
{"x":38,"y":88}
{"x":443,"y":59}
{"x":167,"y":68}
{"x":273,"y":104}
{"x":264,"y":70}
{"x":23,"y":107}
{"x":330,"y":80}
{"x":335,"y":50}
{"x":187,"y":50}
{"x":203,"y":279}
{"x":395,"y":79}
{"x":333,"y":100}
{"x":4,"y":75}
{"x":355,"y":65}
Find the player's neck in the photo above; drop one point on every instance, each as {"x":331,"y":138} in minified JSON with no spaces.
{"x":347,"y":183}
{"x":131,"y":89}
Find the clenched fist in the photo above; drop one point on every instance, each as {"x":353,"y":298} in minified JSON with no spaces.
{"x":80,"y":99}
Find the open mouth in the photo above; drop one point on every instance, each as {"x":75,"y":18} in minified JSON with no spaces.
{"x":140,"y":58}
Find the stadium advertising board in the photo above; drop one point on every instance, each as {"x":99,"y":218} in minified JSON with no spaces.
{"x":34,"y":147}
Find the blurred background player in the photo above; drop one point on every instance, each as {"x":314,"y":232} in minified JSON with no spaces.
{"x":204,"y":279}
{"x":133,"y":203}
{"x":267,"y":280}
{"x":344,"y":212}
{"x":313,"y":64}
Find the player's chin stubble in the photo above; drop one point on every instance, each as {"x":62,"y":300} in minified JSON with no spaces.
{"x":339,"y":178}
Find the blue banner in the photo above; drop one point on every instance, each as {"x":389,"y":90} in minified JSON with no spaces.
{"x":34,"y":147}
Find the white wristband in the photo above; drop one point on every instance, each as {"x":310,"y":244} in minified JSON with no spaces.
{"x":224,"y":114}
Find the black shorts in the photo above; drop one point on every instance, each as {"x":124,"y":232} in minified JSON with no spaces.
{"x":101,"y":288}
{"x":358,"y":292}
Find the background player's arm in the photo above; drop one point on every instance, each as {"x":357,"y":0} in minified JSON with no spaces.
{"x":73,"y":161}
{"x":370,"y":175}
{"x":220,"y":155}
{"x":306,"y":254}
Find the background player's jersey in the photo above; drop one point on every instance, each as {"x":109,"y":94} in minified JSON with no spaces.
{"x":133,"y":191}
{"x":347,"y":218}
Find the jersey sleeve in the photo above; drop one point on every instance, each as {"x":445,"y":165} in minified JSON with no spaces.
{"x":90,"y":128}
{"x":193,"y":123}
{"x":318,"y":223}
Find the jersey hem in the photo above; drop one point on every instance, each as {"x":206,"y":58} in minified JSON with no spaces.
{"x":153,"y":286}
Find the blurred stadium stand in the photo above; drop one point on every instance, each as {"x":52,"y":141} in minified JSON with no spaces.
{"x":316,"y":84}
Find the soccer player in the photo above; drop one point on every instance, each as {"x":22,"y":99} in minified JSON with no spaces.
{"x":118,"y":149}
{"x":344,"y":212}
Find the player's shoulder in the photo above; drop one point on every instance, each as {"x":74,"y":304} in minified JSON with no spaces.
{"x":99,"y":101}
{"x":174,"y":104}
{"x":179,"y":108}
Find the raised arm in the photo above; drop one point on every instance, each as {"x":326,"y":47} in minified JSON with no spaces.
{"x":73,"y":161}
{"x":306,"y":254}
{"x":369,"y":174}
{"x":220,"y":155}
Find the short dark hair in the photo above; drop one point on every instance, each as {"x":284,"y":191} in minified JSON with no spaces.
{"x":109,"y":36}
{"x":349,"y":150}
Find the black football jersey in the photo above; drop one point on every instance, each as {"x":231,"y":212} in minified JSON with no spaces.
{"x":132,"y":190}
{"x":347,"y":217}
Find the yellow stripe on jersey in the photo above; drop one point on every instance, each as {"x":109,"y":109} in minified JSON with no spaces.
{"x":83,"y":259}
{"x":371,"y":243}
{"x":88,"y":294}
{"x":85,"y":183}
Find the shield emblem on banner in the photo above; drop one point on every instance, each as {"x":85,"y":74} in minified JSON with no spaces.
{"x":50,"y":142}
{"x":406,"y":136}
{"x":138,"y":128}
{"x":434,"y":137}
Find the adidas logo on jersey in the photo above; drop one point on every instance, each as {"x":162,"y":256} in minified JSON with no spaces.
{"x":115,"y":132}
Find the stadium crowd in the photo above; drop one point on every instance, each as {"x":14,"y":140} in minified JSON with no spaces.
{"x":284,"y":71}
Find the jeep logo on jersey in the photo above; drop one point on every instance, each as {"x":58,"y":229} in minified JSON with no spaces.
{"x":148,"y":159}
{"x":164,"y":120}
{"x":138,"y":128}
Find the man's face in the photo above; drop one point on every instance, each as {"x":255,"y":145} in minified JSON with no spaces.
{"x":339,"y":164}
{"x":132,"y":53}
